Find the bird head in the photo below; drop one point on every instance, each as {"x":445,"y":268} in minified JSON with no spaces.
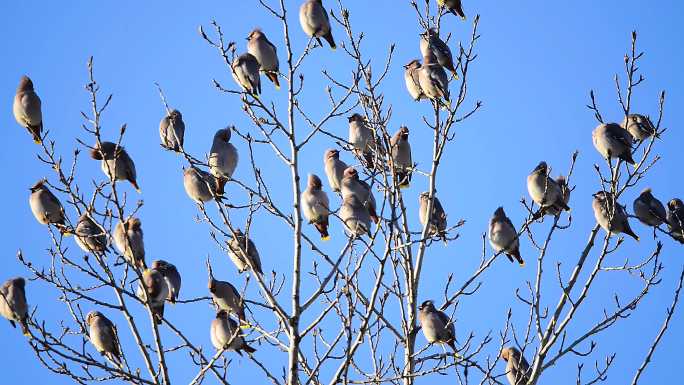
{"x":315,"y":182}
{"x":541,"y":168}
{"x":647,"y":193}
{"x":223,"y":134}
{"x":222,"y":314}
{"x":425,"y":195}
{"x":500,"y":212}
{"x":413,"y":64}
{"x":25,"y":84}
{"x":332,"y":153}
{"x":427,"y":306}
{"x":350,"y":172}
{"x":675,"y":204}
{"x":355,"y":118}
{"x":255,"y":34}
{"x":175,"y":114}
{"x":40,"y":185}
{"x":601,"y":195}
{"x":92,"y":315}
{"x":160,"y":265}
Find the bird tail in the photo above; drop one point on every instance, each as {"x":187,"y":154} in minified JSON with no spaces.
{"x":135,"y":185}
{"x":323,"y":230}
{"x":221,"y":185}
{"x":248,"y":348}
{"x":627,"y":157}
{"x":329,"y":38}
{"x":273,"y":77}
{"x":35,"y":132}
{"x":518,"y":258}
{"x":631,"y":233}
{"x":368,"y":157}
{"x":24,"y":327}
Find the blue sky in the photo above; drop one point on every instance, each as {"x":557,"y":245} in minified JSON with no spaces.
{"x":537,"y":62}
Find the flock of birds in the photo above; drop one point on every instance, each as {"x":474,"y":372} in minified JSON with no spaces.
{"x":161,"y":282}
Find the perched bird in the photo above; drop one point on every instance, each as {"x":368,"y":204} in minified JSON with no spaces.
{"x":103,"y":335}
{"x":352,"y":185}
{"x":225,"y":334}
{"x":245,"y":70}
{"x":315,"y":205}
{"x":116,"y":163}
{"x":649,"y":210}
{"x":27,"y":110}
{"x":227,"y":297}
{"x":516,"y":366}
{"x":266,"y":54}
{"x":438,"y":218}
{"x":411,"y":77}
{"x":639,"y":126}
{"x":613,"y":141}
{"x":223,"y":158}
{"x":13,"y":303}
{"x":315,"y":23}
{"x":437,"y":327}
{"x":172,"y":131}
{"x":153,"y":285}
{"x":544,"y":191}
{"x":89,"y":235}
{"x":503,"y":237}
{"x":355,"y":216}
{"x":334,"y":169}
{"x":171,"y":277}
{"x":243,"y":252}
{"x":614,"y":221}
{"x":453,"y":6}
{"x":46,"y":207}
{"x":128,"y":239}
{"x":433,"y":80}
{"x":430,"y":43}
{"x":361,"y":139}
{"x":565,"y":193}
{"x":675,"y":219}
{"x":401,"y":156}
{"x":199,"y":185}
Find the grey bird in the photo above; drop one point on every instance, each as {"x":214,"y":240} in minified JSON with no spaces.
{"x":223,"y":158}
{"x":116,"y":163}
{"x":225,"y":334}
{"x":517,"y":368}
{"x":614,"y":221}
{"x":565,"y":194}
{"x":46,"y":207}
{"x":437,"y":327}
{"x":361,"y":138}
{"x":352,"y":185}
{"x":613,"y":141}
{"x":316,"y":205}
{"x":649,"y":210}
{"x":503,"y":237}
{"x":433,"y":80}
{"x":241,"y":247}
{"x":315,"y":23}
{"x":13,"y":304}
{"x":544,"y":191}
{"x":227,"y":297}
{"x":153,"y":285}
{"x":438,"y":218}
{"x":171,"y":276}
{"x":172,"y":131}
{"x":199,"y":185}
{"x":334,"y":169}
{"x":430,"y":43}
{"x":401,"y":156}
{"x":245,"y":70}
{"x":27,"y":109}
{"x":103,"y":335}
{"x":675,"y":219}
{"x":639,"y":126}
{"x":453,"y":6}
{"x":90,"y":237}
{"x":354,"y":215}
{"x":128,"y":239}
{"x":265,"y":53}
{"x":411,"y":77}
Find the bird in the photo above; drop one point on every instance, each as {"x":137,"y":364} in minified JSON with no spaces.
{"x":89,"y":236}
{"x":266,"y":54}
{"x":562,"y":183}
{"x":13,"y":304}
{"x":516,"y":366}
{"x":361,"y":138}
{"x":223,"y":158}
{"x":503,"y":237}
{"x":613,"y":141}
{"x":352,"y":185}
{"x":103,"y":335}
{"x":153,"y":287}
{"x":355,"y":216}
{"x":401,"y":156}
{"x":27,"y":109}
{"x":243,"y":252}
{"x":46,"y":207}
{"x":614,"y":221}
{"x":128,"y":239}
{"x":315,"y":23}
{"x":430,"y":43}
{"x":438,"y":218}
{"x":225,"y":334}
{"x":199,"y":185}
{"x":334,"y":169}
{"x":316,"y":205}
{"x":172,"y":131}
{"x":453,"y":6}
{"x":437,"y":327}
{"x":544,"y":191}
{"x":245,"y":70}
{"x":116,"y":163}
{"x":675,"y":219}
{"x":649,"y":210}
{"x":639,"y":126}
{"x":227,"y":297}
{"x":171,"y":277}
{"x":433,"y":80}
{"x":411,"y":77}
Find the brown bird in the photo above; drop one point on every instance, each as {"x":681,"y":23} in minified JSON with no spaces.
{"x":128,"y":239}
{"x":241,"y":249}
{"x":27,"y":109}
{"x":265,"y":53}
{"x":227,"y":297}
{"x":613,"y":221}
{"x":453,"y":6}
{"x":353,"y":186}
{"x":116,"y":163}
{"x":155,"y":288}
{"x":46,"y":207}
{"x":13,"y":304}
{"x":103,"y":335}
{"x":401,"y":156}
{"x":503,"y":237}
{"x":315,"y":205}
{"x":438,"y":218}
{"x":225,"y":334}
{"x":437,"y":327}
{"x":516,"y":366}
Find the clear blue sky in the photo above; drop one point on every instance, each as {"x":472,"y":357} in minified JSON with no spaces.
{"x":537,"y":61}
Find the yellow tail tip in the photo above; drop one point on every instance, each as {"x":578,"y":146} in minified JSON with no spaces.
{"x":36,"y":141}
{"x":326,"y":238}
{"x":277,"y":87}
{"x":522,"y":264}
{"x":246,"y":326}
{"x":403,"y":186}
{"x":333,"y":48}
{"x":27,"y":334}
